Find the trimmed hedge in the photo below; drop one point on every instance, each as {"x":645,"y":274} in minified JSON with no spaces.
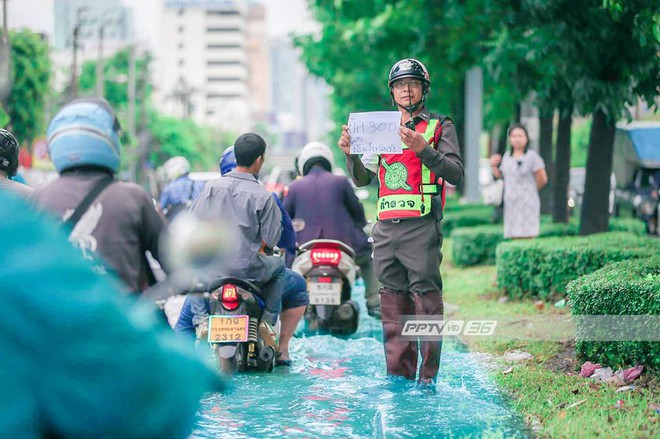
{"x":477,"y":245}
{"x":467,"y":216}
{"x":624,"y":288}
{"x":541,"y":268}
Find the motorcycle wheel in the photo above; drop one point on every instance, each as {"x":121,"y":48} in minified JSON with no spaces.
{"x":236,"y":363}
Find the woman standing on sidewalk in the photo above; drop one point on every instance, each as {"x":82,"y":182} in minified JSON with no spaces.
{"x":524,"y":175}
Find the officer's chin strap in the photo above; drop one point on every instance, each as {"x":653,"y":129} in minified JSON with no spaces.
{"x":410,"y":108}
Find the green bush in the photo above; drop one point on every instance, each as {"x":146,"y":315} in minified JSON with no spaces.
{"x":624,"y":288}
{"x":472,"y":215}
{"x":476,"y":245}
{"x":543,"y":267}
{"x":632,"y":225}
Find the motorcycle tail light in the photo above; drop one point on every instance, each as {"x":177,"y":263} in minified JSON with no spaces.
{"x":326,"y":256}
{"x":229,"y":297}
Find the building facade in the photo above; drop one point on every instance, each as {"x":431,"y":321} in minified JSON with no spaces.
{"x":204,"y":63}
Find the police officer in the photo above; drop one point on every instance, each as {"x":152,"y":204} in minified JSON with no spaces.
{"x":407,"y":236}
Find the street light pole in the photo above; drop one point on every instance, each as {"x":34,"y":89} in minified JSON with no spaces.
{"x":76,"y":35}
{"x":5,"y":29}
{"x":99,"y":63}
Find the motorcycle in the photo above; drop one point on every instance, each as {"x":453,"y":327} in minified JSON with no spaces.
{"x":240,"y":339}
{"x":330,"y":270}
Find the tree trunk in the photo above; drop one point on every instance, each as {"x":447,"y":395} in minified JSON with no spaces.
{"x":595,"y":207}
{"x":562,"y":168}
{"x":459,"y":123}
{"x":501,"y":143}
{"x":545,"y":148}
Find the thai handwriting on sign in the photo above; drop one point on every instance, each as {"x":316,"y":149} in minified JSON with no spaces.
{"x":375,"y":132}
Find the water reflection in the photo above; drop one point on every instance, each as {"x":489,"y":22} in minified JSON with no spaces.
{"x":338,"y":388}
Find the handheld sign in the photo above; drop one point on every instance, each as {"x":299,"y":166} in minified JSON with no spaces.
{"x":375,"y":132}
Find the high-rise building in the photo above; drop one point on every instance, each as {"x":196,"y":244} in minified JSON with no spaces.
{"x":204,"y":62}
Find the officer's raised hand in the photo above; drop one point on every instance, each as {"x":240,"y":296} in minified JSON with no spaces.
{"x":345,"y":140}
{"x":412,"y":139}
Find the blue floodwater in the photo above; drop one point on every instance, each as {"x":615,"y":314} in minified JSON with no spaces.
{"x":337,"y":388}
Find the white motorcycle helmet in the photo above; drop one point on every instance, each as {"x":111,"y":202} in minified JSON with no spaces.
{"x":176,"y":167}
{"x":312,"y":153}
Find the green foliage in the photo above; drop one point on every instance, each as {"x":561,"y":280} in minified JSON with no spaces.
{"x":202,"y":146}
{"x":580,"y":143}
{"x":31,"y":73}
{"x":474,"y":216}
{"x":543,"y":267}
{"x":626,"y":288}
{"x":477,"y":245}
{"x":115,"y":74}
{"x":4,"y":117}
{"x":447,"y":36}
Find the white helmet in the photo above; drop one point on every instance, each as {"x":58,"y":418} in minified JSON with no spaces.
{"x":176,"y":167}
{"x":314,"y":150}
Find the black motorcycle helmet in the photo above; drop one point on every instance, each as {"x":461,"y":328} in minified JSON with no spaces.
{"x":410,"y":68}
{"x":8,"y":153}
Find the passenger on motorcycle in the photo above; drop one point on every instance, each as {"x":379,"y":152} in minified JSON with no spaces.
{"x":324,"y":206}
{"x":114,"y":218}
{"x":181,"y":190}
{"x":252,"y":205}
{"x":9,"y":165}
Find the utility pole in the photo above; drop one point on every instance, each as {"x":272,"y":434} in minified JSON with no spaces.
{"x":74,"y":65}
{"x":130,"y":92}
{"x":5,"y":58}
{"x":99,"y":63}
{"x":5,"y":29}
{"x":107,"y":20}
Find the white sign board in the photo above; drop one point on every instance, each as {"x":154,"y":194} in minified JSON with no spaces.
{"x":375,"y":132}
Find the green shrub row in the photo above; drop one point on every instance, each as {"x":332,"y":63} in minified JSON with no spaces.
{"x":477,"y":245}
{"x":477,"y":215}
{"x":626,"y":288}
{"x":542,"y":268}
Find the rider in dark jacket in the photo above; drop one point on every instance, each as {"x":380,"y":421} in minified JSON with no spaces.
{"x":324,"y":205}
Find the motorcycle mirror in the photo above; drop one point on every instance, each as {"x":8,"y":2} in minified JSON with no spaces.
{"x":362,"y":194}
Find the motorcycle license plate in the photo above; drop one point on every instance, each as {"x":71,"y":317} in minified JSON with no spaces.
{"x":324,"y":293}
{"x":228,"y":329}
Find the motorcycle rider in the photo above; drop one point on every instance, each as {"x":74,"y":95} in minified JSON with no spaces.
{"x":324,"y":206}
{"x":113,"y":219}
{"x":78,"y":358}
{"x":181,"y":190}
{"x":239,"y":198}
{"x":407,"y":236}
{"x":9,"y":165}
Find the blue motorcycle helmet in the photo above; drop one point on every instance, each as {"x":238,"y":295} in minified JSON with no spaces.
{"x":85,"y":132}
{"x":227,"y":161}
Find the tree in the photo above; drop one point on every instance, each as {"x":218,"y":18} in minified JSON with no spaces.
{"x":595,"y":55}
{"x":359,"y":41}
{"x":608,"y":81}
{"x":31,"y":76}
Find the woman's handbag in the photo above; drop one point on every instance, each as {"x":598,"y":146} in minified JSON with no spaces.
{"x":493,"y":193}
